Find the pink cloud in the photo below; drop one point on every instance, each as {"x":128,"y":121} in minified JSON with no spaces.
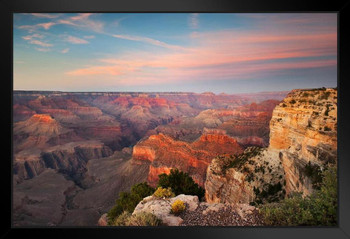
{"x":45,"y":15}
{"x":42,"y":49}
{"x":97,"y":70}
{"x":30,"y":37}
{"x":81,"y":16}
{"x":46,"y":26}
{"x":75,"y":40}
{"x":82,"y":21}
{"x":226,"y":54}
{"x":40,"y":43}
{"x":149,"y":41}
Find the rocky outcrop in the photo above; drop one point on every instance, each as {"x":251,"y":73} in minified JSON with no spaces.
{"x":163,"y":153}
{"x":69,"y":158}
{"x":303,"y":139}
{"x":103,"y":221}
{"x":249,"y":177}
{"x":199,"y":213}
{"x":303,"y":130}
{"x":161,"y":208}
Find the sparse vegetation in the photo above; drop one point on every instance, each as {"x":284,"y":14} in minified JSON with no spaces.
{"x":168,"y":186}
{"x":237,"y":161}
{"x":272,"y":193}
{"x":319,"y":209}
{"x":313,"y":171}
{"x":121,"y":220}
{"x":127,"y":201}
{"x":177,"y":207}
{"x":325,"y":95}
{"x":180,"y":183}
{"x":138,"y":219}
{"x":164,"y":193}
{"x":292,"y":101}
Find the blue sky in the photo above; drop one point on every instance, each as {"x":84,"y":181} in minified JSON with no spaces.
{"x":229,"y":53}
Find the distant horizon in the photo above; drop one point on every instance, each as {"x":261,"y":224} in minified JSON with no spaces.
{"x":257,"y":92}
{"x":182,"y":52}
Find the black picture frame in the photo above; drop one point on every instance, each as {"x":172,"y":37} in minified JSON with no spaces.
{"x":342,"y":8}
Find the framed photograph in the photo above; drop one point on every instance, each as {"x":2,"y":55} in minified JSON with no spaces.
{"x":177,"y":119}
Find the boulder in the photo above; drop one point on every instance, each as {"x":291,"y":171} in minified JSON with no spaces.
{"x":103,"y":220}
{"x":162,"y":207}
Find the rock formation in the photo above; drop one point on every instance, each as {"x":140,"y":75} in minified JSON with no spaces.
{"x":163,"y":153}
{"x":161,"y":208}
{"x":69,"y":158}
{"x":198,"y":213}
{"x":254,"y":175}
{"x":303,"y":130}
{"x":303,"y":139}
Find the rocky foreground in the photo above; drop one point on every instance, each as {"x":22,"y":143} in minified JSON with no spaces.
{"x":197,"y":213}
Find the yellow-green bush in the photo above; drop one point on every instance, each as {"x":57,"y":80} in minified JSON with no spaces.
{"x":122,"y":219}
{"x":139,"y":219}
{"x":143,"y":219}
{"x":178,"y":206}
{"x":164,"y":193}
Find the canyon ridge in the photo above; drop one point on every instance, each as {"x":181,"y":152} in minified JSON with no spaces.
{"x":74,"y":152}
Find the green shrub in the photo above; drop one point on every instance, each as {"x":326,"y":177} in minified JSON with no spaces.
{"x":164,"y":193}
{"x":292,"y":101}
{"x":139,"y":219}
{"x":127,"y":201}
{"x":178,"y":206}
{"x":237,"y":161}
{"x":180,"y":183}
{"x":319,"y":209}
{"x":313,"y":171}
{"x":122,"y":219}
{"x":325,"y":95}
{"x":143,"y":219}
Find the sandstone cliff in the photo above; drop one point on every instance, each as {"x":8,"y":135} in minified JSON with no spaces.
{"x":303,"y":130}
{"x":163,"y":153}
{"x":303,"y":139}
{"x":255,"y":175}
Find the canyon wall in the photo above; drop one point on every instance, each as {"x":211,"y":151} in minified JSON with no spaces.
{"x":70,"y":159}
{"x":162,"y":153}
{"x":303,"y":130}
{"x":303,"y":140}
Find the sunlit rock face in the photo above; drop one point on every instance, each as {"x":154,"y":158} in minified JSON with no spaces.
{"x":303,"y":140}
{"x":236,"y":178}
{"x":303,"y":129}
{"x":163,"y":152}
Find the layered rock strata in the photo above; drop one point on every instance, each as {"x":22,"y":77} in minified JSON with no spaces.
{"x":303,"y":130}
{"x":303,"y":140}
{"x":163,"y":153}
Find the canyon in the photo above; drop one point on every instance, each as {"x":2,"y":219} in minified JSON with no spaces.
{"x":74,"y":152}
{"x":303,"y":142}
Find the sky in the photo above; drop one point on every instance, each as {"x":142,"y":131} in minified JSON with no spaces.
{"x":162,"y":52}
